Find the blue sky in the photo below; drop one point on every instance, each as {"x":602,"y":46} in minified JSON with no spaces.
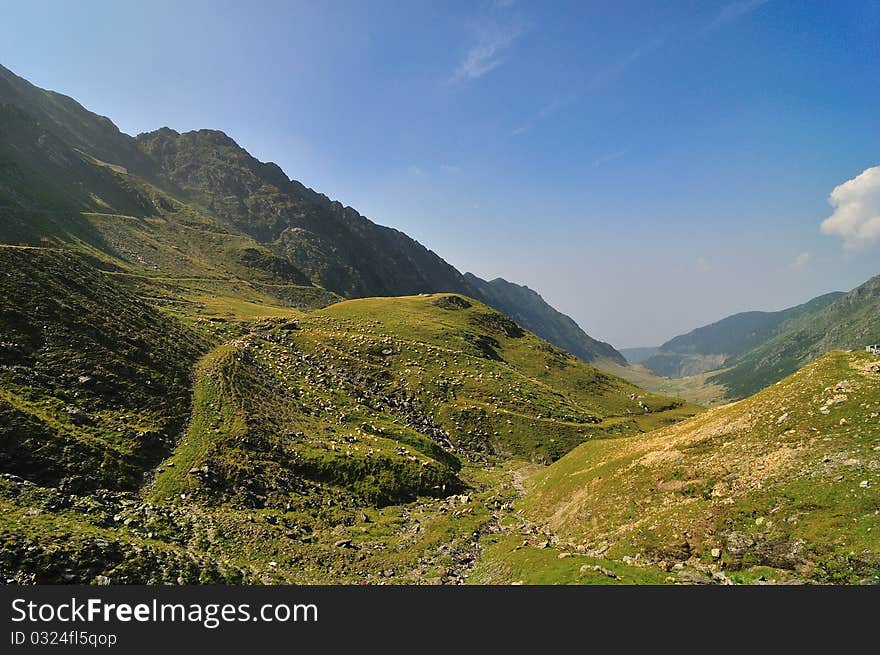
{"x":647,"y":167}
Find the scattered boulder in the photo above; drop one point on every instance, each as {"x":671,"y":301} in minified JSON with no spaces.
{"x":451,"y":303}
{"x":599,"y":569}
{"x":693,"y":577}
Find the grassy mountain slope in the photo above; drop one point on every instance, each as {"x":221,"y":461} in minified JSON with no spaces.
{"x":707,"y":348}
{"x":852,"y":321}
{"x":384,"y":397}
{"x":45,"y":184}
{"x":787,"y":479}
{"x":333,"y":244}
{"x":321,"y":446}
{"x":94,"y":382}
{"x":53,"y":193}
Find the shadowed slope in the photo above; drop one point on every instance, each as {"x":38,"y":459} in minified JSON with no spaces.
{"x":94,"y":383}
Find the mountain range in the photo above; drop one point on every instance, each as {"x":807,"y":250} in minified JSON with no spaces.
{"x":212,"y":374}
{"x":850,"y":322}
{"x":68,"y":157}
{"x":707,"y":348}
{"x":747,"y":352}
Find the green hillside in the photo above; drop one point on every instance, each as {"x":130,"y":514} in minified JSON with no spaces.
{"x":709,"y":347}
{"x":850,"y":322}
{"x":270,"y":445}
{"x":51,"y":193}
{"x":781,"y":486}
{"x":385,"y":398}
{"x":94,"y":382}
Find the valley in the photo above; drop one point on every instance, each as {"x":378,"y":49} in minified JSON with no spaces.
{"x":364,"y":435}
{"x":213,"y":374}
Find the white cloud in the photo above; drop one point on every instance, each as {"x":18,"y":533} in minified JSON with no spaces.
{"x":703,"y":264}
{"x":731,"y":12}
{"x":487,"y":53}
{"x":856,"y":217}
{"x":801,"y":262}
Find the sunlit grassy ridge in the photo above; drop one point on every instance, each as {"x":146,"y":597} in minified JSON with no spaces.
{"x":385,"y":397}
{"x":382,"y":439}
{"x":789,"y":478}
{"x":252,"y":442}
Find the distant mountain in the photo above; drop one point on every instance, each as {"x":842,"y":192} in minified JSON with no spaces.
{"x":529,"y":309}
{"x":198,"y":207}
{"x":850,"y":322}
{"x":638,"y":355}
{"x":709,"y":347}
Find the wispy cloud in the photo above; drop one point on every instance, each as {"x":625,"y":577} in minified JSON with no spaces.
{"x":608,"y":157}
{"x":731,"y":12}
{"x":727,"y":13}
{"x":547,"y":110}
{"x":600,"y":77}
{"x":488,"y":52}
{"x":801,"y":262}
{"x":856,"y":217}
{"x":450,"y":168}
{"x":616,"y":68}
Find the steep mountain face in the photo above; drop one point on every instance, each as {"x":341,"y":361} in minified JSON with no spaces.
{"x":851,"y":322}
{"x":45,"y":184}
{"x":73,"y":124}
{"x":707,"y":348}
{"x":529,"y":309}
{"x":54,"y":194}
{"x":64,"y":172}
{"x":333,"y":244}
